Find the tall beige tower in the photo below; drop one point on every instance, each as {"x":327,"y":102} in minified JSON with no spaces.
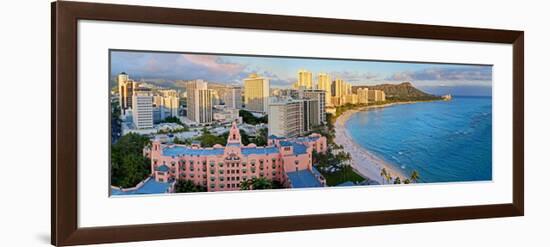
{"x":125,"y":91}
{"x":305,"y":79}
{"x":256,"y":94}
{"x":339,"y":88}
{"x":348,"y":88}
{"x":323,"y":83}
{"x":363,"y":95}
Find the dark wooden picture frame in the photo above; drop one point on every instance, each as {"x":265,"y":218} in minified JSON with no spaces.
{"x":64,"y":18}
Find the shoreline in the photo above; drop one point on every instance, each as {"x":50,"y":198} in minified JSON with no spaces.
{"x":370,"y":165}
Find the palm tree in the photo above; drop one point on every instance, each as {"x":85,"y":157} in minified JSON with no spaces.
{"x":256,"y":184}
{"x":383,"y":174}
{"x":183,"y":186}
{"x":346,"y":170}
{"x":415,"y":176}
{"x":245,"y":185}
{"x":261,"y":184}
{"x":388,"y":177}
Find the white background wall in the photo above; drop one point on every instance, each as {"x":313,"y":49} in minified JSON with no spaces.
{"x":25,"y":141}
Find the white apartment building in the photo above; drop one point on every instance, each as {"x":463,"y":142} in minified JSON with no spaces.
{"x":199,"y":102}
{"x":233,"y":97}
{"x":319,"y":96}
{"x":286,"y":117}
{"x":142,"y":110}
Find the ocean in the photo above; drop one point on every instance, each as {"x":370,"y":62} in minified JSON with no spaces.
{"x":445,"y":141}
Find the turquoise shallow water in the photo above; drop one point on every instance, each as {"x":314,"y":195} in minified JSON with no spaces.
{"x":445,"y":141}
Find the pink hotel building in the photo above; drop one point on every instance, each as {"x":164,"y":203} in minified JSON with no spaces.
{"x":219,"y":168}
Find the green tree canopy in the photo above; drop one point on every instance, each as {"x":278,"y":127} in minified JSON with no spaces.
{"x":186,"y":186}
{"x":128,"y":165}
{"x":249,"y":118}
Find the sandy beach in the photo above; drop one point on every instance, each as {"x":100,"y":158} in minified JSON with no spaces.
{"x":364,"y":162}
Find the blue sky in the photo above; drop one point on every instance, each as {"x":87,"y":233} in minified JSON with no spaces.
{"x":282,"y":72}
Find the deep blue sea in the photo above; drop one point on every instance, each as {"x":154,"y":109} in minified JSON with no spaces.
{"x":445,"y":141}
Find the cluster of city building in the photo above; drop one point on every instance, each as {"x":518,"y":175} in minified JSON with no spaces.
{"x":292,"y":113}
{"x":143,"y":106}
{"x":337,"y":92}
{"x":144,"y":103}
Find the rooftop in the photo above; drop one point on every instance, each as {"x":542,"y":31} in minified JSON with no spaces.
{"x":183,"y":150}
{"x":307,"y":139}
{"x":258,"y":150}
{"x":303,"y":179}
{"x":150,"y":187}
{"x":299,"y":148}
{"x":275,"y":137}
{"x":163,"y":168}
{"x":285,"y":143}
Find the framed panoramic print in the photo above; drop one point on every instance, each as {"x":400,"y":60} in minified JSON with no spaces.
{"x":173,"y":123}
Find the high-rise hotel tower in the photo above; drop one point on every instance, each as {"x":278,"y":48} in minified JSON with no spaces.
{"x":142,"y":110}
{"x":256,"y":94}
{"x":323,"y":83}
{"x":126,"y":88}
{"x":199,"y":102}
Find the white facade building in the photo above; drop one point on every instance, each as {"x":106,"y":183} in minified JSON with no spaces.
{"x":319,"y":96}
{"x":233,"y":97}
{"x":142,"y":110}
{"x":286,"y":117}
{"x":199,"y":102}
